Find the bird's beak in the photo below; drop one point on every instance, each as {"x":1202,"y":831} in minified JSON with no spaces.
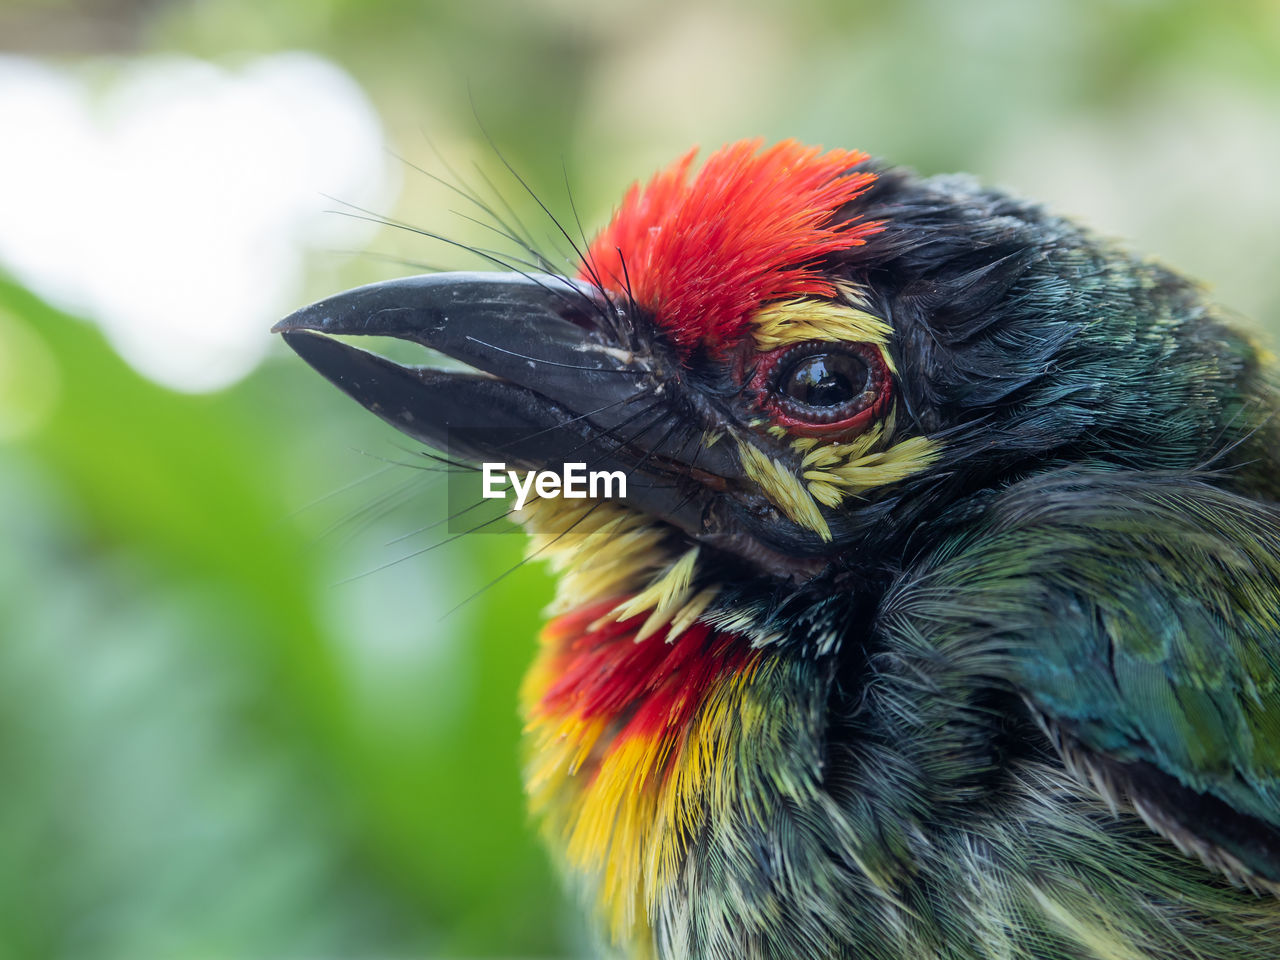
{"x":552,"y":383}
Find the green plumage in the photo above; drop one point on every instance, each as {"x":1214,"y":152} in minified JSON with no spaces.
{"x":1052,"y":720}
{"x":1130,"y":613}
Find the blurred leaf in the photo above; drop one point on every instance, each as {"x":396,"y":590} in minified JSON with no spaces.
{"x":206,"y":775}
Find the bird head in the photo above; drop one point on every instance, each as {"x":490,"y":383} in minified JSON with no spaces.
{"x":809,"y":368}
{"x":801,"y":362}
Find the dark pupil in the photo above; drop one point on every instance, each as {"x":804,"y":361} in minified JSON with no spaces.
{"x":826,"y":379}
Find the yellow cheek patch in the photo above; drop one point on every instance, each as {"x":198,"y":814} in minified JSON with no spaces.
{"x":834,"y":471}
{"x":799,"y":321}
{"x":831,"y":472}
{"x":841,"y":475}
{"x":783,"y":488}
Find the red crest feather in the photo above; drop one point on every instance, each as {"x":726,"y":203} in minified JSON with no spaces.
{"x":748,"y":229}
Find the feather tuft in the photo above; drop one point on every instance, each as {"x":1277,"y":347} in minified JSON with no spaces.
{"x":751,"y":227}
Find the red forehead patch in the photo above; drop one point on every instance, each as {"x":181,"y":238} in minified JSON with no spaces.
{"x":748,"y":229}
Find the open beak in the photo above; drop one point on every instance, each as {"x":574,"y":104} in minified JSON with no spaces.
{"x":552,"y":382}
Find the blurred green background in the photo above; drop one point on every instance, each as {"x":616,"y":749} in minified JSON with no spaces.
{"x":237,"y":719}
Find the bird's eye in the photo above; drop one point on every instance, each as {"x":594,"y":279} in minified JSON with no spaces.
{"x":822,"y":389}
{"x":825,"y":380}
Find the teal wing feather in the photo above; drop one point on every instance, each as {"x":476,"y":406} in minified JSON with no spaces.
{"x":1138,"y":615}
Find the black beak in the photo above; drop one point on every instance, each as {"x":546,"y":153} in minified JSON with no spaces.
{"x":556,"y":382}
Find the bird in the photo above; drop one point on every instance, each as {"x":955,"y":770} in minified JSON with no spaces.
{"x":941,"y":614}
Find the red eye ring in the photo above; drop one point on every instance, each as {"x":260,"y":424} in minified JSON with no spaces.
{"x":823,"y":389}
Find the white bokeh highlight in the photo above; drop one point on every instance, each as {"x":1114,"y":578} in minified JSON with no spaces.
{"x":174,"y":203}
